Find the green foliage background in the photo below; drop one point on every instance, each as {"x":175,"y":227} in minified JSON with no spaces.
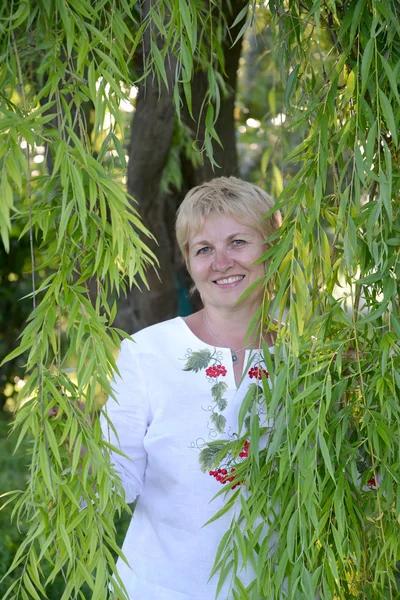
{"x":14,"y":474}
{"x":334,"y":396}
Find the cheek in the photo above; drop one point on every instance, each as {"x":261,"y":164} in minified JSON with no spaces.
{"x":192,"y":269}
{"x":259,"y":269}
{"x":189,"y":264}
{"x":197,"y":270}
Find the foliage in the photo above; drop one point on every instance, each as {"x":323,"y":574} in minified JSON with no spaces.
{"x":66,"y":68}
{"x":263,"y":139}
{"x":334,"y":377}
{"x":15,"y":286}
{"x":55,"y":61}
{"x":327,"y":482}
{"x":14,"y":472}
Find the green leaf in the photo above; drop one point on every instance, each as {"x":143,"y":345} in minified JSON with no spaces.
{"x":226,"y":508}
{"x":366,"y":64}
{"x":240,"y":16}
{"x":359,"y":6}
{"x":222,"y":547}
{"x":371,"y":144}
{"x":389,"y":116}
{"x":159,"y":62}
{"x":304,"y":436}
{"x":326,"y":456}
{"x":246,"y":404}
{"x":79,"y":196}
{"x":185,"y":16}
{"x":394,"y":85}
{"x":23,"y":347}
{"x":307,"y":584}
{"x":290,"y":86}
{"x":242,"y":31}
{"x":45,"y":467}
{"x":338,"y":542}
{"x":65,"y":218}
{"x":49,"y":433}
{"x":30,"y":587}
{"x":291,"y":535}
{"x":255,"y":434}
{"x":76,"y":455}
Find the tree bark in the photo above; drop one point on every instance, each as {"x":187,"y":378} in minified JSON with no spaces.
{"x":150,"y":143}
{"x":225,"y":156}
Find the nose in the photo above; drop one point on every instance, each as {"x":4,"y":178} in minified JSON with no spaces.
{"x":222,"y":261}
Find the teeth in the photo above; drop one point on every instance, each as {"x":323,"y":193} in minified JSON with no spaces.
{"x":230,"y":279}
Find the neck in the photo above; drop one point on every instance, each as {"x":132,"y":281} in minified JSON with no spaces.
{"x":231,"y":326}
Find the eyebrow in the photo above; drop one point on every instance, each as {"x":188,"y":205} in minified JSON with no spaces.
{"x":230,"y":237}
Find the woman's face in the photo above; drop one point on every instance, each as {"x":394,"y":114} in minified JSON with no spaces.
{"x":221,"y":258}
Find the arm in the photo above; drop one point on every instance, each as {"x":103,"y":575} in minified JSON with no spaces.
{"x":130,"y":416}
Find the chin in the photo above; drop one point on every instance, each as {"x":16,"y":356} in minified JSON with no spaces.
{"x":230,"y":302}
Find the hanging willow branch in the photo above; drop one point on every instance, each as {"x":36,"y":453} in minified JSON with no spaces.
{"x":65,"y":69}
{"x":326,"y":486}
{"x":86,"y":229}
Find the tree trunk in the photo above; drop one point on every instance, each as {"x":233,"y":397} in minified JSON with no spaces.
{"x":150,"y":144}
{"x":225,"y":156}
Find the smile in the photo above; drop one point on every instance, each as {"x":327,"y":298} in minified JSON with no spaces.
{"x":233,"y":279}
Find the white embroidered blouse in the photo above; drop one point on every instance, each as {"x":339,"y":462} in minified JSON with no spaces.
{"x":175,"y":394}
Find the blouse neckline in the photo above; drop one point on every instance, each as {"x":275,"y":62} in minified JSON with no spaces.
{"x":213,"y":346}
{"x":250,"y":354}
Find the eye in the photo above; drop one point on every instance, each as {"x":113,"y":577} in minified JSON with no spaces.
{"x":238,"y":243}
{"x":204,"y":250}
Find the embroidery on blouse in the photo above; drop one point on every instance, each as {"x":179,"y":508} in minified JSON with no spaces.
{"x":211,"y":362}
{"x":215,"y":370}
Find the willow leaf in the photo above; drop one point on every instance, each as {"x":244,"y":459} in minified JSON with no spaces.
{"x":389,"y":115}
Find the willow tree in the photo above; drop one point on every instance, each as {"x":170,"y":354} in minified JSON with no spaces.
{"x":318,"y":504}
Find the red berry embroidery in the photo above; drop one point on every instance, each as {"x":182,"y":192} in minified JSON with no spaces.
{"x":222,"y":476}
{"x":257,"y":373}
{"x":216,"y":371}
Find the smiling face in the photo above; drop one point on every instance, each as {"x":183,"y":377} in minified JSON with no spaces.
{"x":221,"y":258}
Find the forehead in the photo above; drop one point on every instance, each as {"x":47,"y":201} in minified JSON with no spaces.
{"x":219,"y":227}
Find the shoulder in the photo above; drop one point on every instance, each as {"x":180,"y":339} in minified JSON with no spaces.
{"x":169,"y":327}
{"x":153,"y":337}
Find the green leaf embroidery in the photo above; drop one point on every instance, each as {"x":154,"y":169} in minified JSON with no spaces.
{"x":198,"y":360}
{"x":219,"y":422}
{"x":222,"y":403}
{"x":208,"y":456}
{"x":218,"y":389}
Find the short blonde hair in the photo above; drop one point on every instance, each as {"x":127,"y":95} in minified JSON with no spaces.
{"x":229,"y":196}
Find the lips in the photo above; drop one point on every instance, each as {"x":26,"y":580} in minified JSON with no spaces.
{"x":228,"y":280}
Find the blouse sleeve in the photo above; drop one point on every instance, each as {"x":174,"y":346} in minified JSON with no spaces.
{"x":130,"y":416}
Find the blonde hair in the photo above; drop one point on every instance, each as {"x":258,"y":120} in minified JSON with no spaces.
{"x":229,"y":196}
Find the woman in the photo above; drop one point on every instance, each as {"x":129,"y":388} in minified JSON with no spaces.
{"x":181,"y":385}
